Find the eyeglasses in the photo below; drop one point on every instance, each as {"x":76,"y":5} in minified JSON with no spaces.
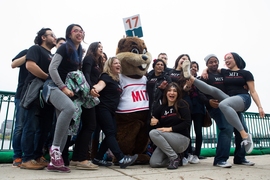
{"x":52,"y":35}
{"x":78,"y":31}
{"x":228,"y":58}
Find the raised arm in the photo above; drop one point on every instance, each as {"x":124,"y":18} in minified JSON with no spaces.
{"x":18,"y":62}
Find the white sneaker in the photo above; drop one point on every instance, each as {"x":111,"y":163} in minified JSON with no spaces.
{"x":223,"y":164}
{"x":248,"y":143}
{"x":185,"y":161}
{"x":190,"y":157}
{"x":186,"y":69}
{"x":194,"y":160}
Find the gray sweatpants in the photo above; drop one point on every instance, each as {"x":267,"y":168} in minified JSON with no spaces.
{"x":168,"y":145}
{"x":229,"y":105}
{"x":65,"y":109}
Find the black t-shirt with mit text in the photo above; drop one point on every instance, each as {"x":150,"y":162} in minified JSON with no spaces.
{"x":234,"y":81}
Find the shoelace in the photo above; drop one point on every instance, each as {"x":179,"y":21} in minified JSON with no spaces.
{"x":244,"y":142}
{"x":57,"y":154}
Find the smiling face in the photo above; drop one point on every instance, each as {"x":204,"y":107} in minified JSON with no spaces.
{"x":194,"y":69}
{"x":171,"y":95}
{"x":76,"y":35}
{"x":212,"y":64}
{"x":116,"y":66}
{"x":230,"y":62}
{"x":180,"y":62}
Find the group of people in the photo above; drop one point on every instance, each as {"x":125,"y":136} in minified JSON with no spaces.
{"x":60,"y":97}
{"x":224,"y":93}
{"x":72,"y":95}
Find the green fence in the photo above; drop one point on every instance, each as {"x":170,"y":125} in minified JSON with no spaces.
{"x":258,"y":127}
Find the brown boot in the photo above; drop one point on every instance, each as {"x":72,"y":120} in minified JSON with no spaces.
{"x":31,"y":164}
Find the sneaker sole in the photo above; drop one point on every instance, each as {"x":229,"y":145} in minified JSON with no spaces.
{"x":86,"y":168}
{"x":58,"y":171}
{"x":186,"y":69}
{"x":227,"y":165}
{"x":252,"y":145}
{"x":223,"y":166}
{"x":22,"y":167}
{"x":194,"y":162}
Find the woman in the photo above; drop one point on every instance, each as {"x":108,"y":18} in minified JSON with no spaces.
{"x":156,"y":82}
{"x":170,"y":129}
{"x":67,"y":58}
{"x":157,"y":79}
{"x":197,"y":116}
{"x":91,"y":68}
{"x":108,"y":90}
{"x":237,"y":97}
{"x":177,"y":76}
{"x":96,"y":53}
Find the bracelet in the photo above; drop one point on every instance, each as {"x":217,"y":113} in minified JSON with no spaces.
{"x":260,"y":107}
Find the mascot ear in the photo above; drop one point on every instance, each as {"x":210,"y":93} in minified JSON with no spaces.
{"x":120,"y":45}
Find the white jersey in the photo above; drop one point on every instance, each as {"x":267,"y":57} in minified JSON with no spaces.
{"x":134,"y":96}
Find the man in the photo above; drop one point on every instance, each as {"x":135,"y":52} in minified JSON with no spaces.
{"x":226,"y":130}
{"x":38,"y":120}
{"x":18,"y":61}
{"x":60,"y":41}
{"x":164,"y":57}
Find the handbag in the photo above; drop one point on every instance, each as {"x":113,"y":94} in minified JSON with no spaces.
{"x":207,"y":120}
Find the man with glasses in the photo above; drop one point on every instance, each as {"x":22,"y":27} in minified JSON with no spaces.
{"x":38,"y":116}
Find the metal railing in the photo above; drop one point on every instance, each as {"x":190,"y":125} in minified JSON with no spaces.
{"x":260,"y":128}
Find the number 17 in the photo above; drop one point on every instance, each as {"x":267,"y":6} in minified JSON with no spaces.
{"x":136,"y":18}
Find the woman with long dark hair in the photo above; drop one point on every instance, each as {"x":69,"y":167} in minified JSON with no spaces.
{"x":67,"y":58}
{"x":170,"y":129}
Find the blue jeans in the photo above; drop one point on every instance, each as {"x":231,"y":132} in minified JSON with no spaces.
{"x":37,"y":124}
{"x":30,"y":128}
{"x":225,"y":136}
{"x":17,"y":133}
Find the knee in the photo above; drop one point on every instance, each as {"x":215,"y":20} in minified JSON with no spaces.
{"x":153,"y":164}
{"x":153,"y":133}
{"x":221,"y":105}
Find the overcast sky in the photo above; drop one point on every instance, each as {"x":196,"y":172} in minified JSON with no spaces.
{"x":195,"y":27}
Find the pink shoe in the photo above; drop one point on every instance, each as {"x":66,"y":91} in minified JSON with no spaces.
{"x":56,"y":158}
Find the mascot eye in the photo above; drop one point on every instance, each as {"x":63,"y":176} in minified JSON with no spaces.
{"x":135,"y":50}
{"x":144,"y":51}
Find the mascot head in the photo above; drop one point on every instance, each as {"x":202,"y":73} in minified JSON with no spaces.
{"x":134,"y":57}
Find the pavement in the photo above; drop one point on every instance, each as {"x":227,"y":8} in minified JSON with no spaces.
{"x":203,"y":170}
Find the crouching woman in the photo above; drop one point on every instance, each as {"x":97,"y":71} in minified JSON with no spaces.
{"x":170,"y":129}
